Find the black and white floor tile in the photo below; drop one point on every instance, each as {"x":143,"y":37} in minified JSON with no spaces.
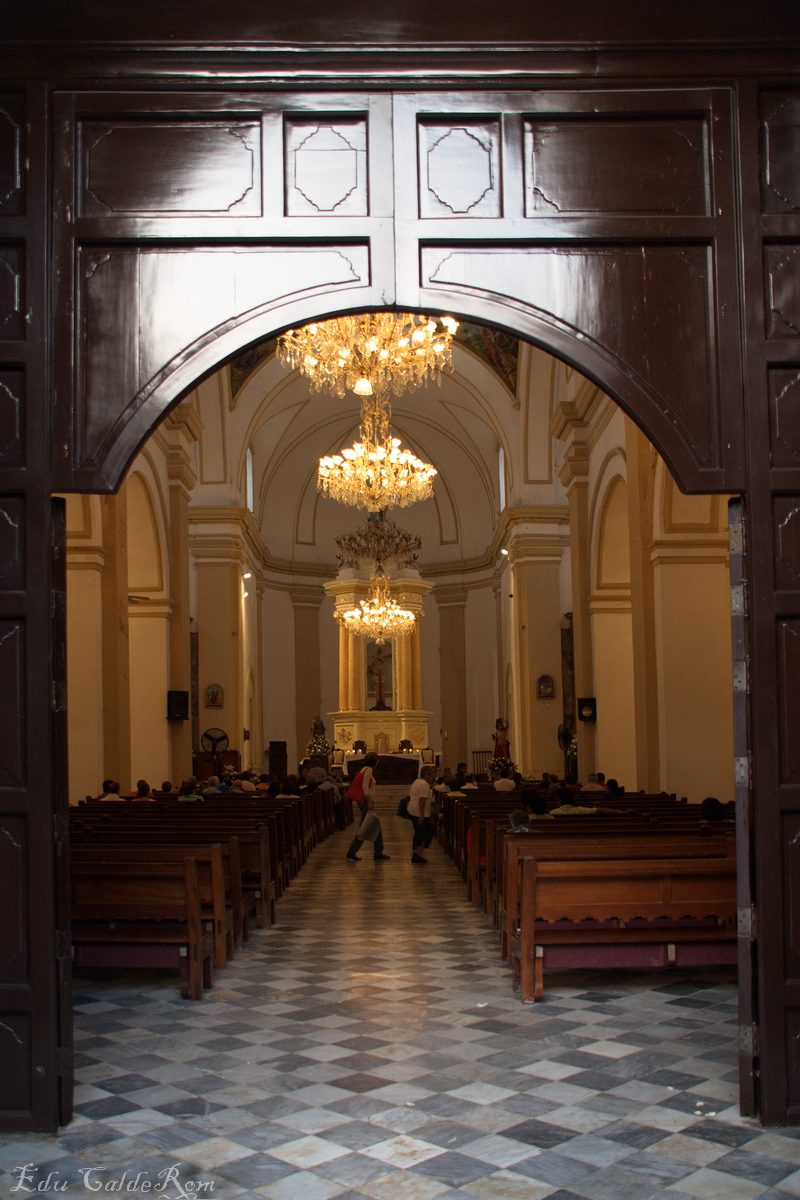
{"x":369,"y":1047}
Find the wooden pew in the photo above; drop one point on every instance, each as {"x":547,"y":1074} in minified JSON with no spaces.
{"x":622,"y":912}
{"x":142,"y":915}
{"x":587,"y":846}
{"x":219,"y":882}
{"x":257,"y":880}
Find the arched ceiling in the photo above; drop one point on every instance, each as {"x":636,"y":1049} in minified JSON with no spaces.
{"x":458,"y":426}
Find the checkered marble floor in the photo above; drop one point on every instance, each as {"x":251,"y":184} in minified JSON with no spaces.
{"x":369,"y":1047}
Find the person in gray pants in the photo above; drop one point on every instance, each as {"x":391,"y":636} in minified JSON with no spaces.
{"x":368,"y":831}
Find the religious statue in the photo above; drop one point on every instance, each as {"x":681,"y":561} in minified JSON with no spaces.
{"x":376,"y":663}
{"x":502,"y":746}
{"x":319,"y":746}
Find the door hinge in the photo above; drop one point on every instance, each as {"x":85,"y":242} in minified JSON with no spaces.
{"x":746,"y":922}
{"x":748,"y":1039}
{"x":740,"y":676}
{"x":741,"y":771}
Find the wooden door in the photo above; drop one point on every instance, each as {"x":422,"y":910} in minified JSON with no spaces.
{"x":644,"y":228}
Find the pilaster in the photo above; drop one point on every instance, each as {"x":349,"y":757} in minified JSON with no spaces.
{"x":452,"y":603}
{"x":574,"y":475}
{"x":306,"y":599}
{"x":182,"y":428}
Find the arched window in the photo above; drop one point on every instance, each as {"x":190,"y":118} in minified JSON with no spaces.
{"x":249,"y":492}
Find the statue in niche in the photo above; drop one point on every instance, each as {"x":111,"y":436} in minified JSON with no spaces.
{"x":375,"y":664}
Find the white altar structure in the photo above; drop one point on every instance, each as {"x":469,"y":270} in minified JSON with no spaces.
{"x":381,"y":730}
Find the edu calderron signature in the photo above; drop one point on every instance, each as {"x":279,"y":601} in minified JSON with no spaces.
{"x":184,"y":1189}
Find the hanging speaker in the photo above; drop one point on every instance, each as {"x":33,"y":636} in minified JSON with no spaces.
{"x":587,"y":709}
{"x":177,"y":706}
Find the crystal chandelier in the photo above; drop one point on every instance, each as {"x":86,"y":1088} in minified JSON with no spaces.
{"x":378,"y":541}
{"x":374,"y":353}
{"x":375,"y":472}
{"x":379,"y":616}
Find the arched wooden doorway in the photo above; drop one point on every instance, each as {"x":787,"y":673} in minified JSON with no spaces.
{"x":609,"y":225}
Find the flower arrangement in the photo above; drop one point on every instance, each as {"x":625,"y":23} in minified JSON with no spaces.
{"x":318,"y":745}
{"x":498,"y":765}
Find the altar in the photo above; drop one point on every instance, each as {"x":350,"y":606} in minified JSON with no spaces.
{"x":380,"y":688}
{"x":403,"y":767}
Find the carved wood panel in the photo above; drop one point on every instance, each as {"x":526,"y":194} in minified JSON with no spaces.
{"x":12,"y":292}
{"x":459,"y":168}
{"x":171,"y":167}
{"x":326,"y":167}
{"x":15,"y":1055}
{"x":784,"y":402}
{"x":12,"y":545}
{"x":675,"y":355}
{"x":780,"y":184}
{"x":14,"y":867}
{"x":11,"y":151}
{"x":136,"y":321}
{"x":12,"y":413}
{"x":789,"y":699}
{"x":620,"y":166}
{"x":12,"y":672}
{"x":782,"y":266}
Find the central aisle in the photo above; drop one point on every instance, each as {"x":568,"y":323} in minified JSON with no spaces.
{"x":370,"y":1046}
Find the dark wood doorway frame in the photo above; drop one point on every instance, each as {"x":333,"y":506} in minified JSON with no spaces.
{"x":645,"y":229}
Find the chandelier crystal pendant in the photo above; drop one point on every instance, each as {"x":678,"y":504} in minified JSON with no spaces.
{"x":379,"y":616}
{"x":375,"y":472}
{"x":370,"y":354}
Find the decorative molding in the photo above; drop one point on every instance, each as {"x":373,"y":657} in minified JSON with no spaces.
{"x":187,"y":419}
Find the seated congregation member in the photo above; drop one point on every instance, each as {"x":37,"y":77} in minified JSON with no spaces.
{"x":594,"y":784}
{"x":314,"y":778}
{"x":713,"y":811}
{"x":504,"y":784}
{"x":461,"y":775}
{"x":263,"y":783}
{"x":614,"y":789}
{"x":212,"y":786}
{"x":333,"y":793}
{"x":143,"y":790}
{"x":551,"y":786}
{"x":471,"y":784}
{"x":568,"y":807}
{"x":225,"y":783}
{"x":518,"y":821}
{"x":110,"y":790}
{"x":167,"y":787}
{"x":187,"y":793}
{"x":419,"y":809}
{"x":535,"y":804}
{"x":273,"y":790}
{"x":248,"y":785}
{"x":290,"y":788}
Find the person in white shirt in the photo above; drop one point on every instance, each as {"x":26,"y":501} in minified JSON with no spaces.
{"x":504,"y":784}
{"x":568,"y":808}
{"x":419,"y":809}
